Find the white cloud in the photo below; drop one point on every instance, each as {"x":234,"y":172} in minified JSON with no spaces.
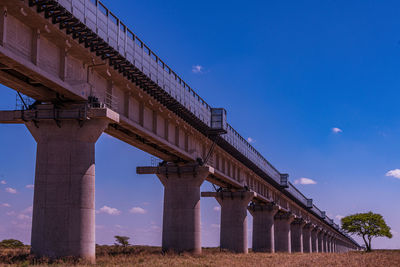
{"x":11,"y":190}
{"x":137,"y":210}
{"x":305,"y":181}
{"x":250,"y":140}
{"x":29,"y":186}
{"x":336,"y":130}
{"x":339,"y":217}
{"x":394,"y":173}
{"x":197,"y":69}
{"x":109,"y":210}
{"x":217,"y":208}
{"x":3,"y":182}
{"x":215,"y":225}
{"x":5,"y":205}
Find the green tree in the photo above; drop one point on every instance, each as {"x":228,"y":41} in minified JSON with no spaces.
{"x":121,"y":241}
{"x":11,"y":243}
{"x":367,"y":225}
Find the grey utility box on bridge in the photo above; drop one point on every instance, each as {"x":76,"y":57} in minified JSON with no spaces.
{"x":218,"y":121}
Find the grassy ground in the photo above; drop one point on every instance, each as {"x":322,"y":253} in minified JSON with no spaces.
{"x":152,"y":256}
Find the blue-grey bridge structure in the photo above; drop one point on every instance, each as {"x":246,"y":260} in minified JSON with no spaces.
{"x":89,"y":73}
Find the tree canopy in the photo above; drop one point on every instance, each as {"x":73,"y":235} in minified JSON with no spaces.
{"x":367,"y":225}
{"x":121,"y":240}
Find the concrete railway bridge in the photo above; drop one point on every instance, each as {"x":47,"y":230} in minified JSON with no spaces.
{"x":89,"y":74}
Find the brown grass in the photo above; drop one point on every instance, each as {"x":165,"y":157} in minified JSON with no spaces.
{"x":152,"y":256}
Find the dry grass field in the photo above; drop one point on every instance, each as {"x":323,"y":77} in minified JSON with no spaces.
{"x":152,"y":256}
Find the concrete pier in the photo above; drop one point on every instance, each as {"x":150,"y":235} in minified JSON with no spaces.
{"x":63,"y":221}
{"x":325,"y":242}
{"x":314,"y":239}
{"x":181,"y":215}
{"x":320,"y":241}
{"x":296,"y":229}
{"x":282,"y":232}
{"x":233,"y":235}
{"x":263,"y":227}
{"x":307,"y":240}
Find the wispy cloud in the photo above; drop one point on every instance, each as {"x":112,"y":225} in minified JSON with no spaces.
{"x":23,"y":217}
{"x":304,"y":180}
{"x":31,"y":186}
{"x":5,"y":205}
{"x":137,"y":210}
{"x":336,"y":130}
{"x":11,"y":190}
{"x":394,"y":173}
{"x":217,"y":208}
{"x":28,"y":210}
{"x":3,"y":182}
{"x":250,"y":140}
{"x":215,"y":225}
{"x":197,"y":69}
{"x":108,"y":210}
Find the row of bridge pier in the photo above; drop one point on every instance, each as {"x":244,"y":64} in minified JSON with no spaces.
{"x":64,"y":201}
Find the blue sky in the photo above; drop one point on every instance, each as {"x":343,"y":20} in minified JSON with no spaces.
{"x":288,"y":73}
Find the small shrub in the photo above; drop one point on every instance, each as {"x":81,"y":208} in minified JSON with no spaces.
{"x":11,"y":243}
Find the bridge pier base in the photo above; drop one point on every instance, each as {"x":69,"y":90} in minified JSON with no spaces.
{"x":282,"y":232}
{"x":233,"y":235}
{"x":63,"y":221}
{"x":181,"y":215}
{"x":263,"y":227}
{"x":296,"y":229}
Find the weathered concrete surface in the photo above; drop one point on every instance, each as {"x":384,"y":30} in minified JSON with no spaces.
{"x":263,"y":227}
{"x":64,"y":199}
{"x":307,"y":240}
{"x":181,"y":215}
{"x":296,"y":229}
{"x":282,"y":232}
{"x":233,"y":235}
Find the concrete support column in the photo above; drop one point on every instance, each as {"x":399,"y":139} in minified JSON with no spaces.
{"x":233,"y":235}
{"x":296,"y":229}
{"x":63,"y":222}
{"x":314,"y":239}
{"x":181,"y":214}
{"x":324,"y":242}
{"x":263,"y":227}
{"x":307,"y":239}
{"x":282,"y":232}
{"x":320,"y":241}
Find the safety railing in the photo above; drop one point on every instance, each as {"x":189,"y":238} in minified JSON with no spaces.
{"x":297,"y":194}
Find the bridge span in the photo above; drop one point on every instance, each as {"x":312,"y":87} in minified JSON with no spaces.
{"x":88,"y":74}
